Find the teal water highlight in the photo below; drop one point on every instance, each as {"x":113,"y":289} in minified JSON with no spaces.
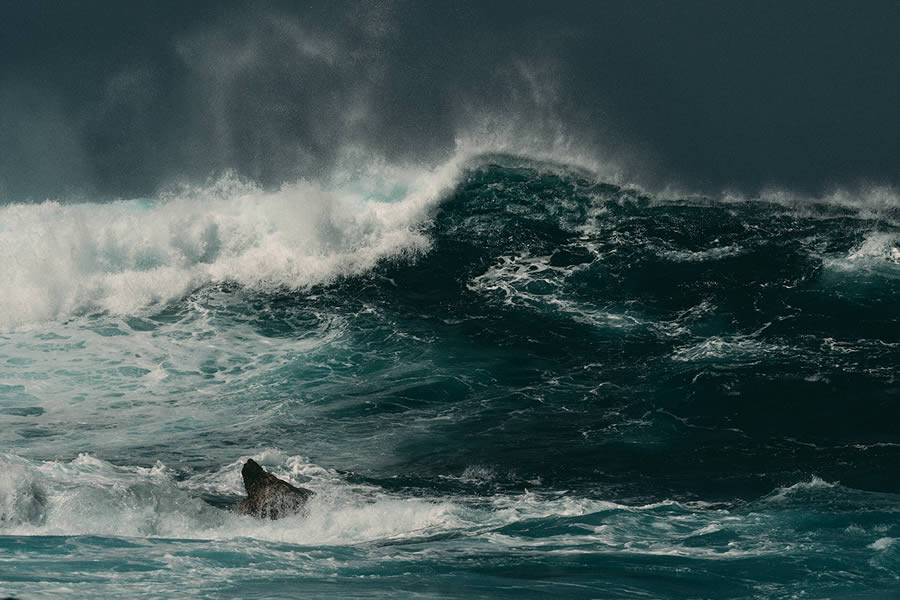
{"x":505,"y":379}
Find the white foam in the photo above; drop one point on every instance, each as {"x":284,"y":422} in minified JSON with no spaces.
{"x":741,"y":348}
{"x":870,"y":202}
{"x":22,"y":499}
{"x":878,"y":253}
{"x":710,"y":254}
{"x":815,"y":483}
{"x":527,"y":281}
{"x":883,"y":543}
{"x":88,"y":496}
{"x":879,"y":246}
{"x":61,"y":260}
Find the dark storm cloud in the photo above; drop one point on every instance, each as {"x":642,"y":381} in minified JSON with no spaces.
{"x":118,"y":98}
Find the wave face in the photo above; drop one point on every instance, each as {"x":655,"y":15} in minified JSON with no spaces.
{"x":502,"y":377}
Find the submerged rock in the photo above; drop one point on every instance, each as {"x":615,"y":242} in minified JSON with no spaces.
{"x":269,"y":497}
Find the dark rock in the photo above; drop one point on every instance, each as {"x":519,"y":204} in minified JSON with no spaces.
{"x":269,"y":497}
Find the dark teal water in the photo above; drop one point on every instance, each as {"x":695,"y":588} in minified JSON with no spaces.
{"x":526,"y":384}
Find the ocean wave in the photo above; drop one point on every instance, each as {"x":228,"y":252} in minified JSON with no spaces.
{"x":815,"y":483}
{"x":64,"y":260}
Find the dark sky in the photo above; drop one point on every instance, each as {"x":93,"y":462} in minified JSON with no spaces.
{"x":119,"y":98}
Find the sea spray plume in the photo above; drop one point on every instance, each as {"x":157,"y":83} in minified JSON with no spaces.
{"x":280,"y":96}
{"x":281,"y":93}
{"x":130,"y":98}
{"x":269,"y":497}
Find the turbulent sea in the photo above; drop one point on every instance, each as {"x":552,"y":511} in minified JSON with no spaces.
{"x":503,"y":377}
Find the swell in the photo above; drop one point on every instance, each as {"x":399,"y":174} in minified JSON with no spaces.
{"x":125,"y":257}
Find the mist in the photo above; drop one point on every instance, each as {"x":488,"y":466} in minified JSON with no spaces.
{"x":102,"y":100}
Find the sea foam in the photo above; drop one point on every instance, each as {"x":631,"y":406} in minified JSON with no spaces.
{"x":61,"y":260}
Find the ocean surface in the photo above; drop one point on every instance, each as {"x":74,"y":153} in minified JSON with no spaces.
{"x":504,"y":377}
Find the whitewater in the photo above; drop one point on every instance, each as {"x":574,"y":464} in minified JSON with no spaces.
{"x":503,"y":376}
